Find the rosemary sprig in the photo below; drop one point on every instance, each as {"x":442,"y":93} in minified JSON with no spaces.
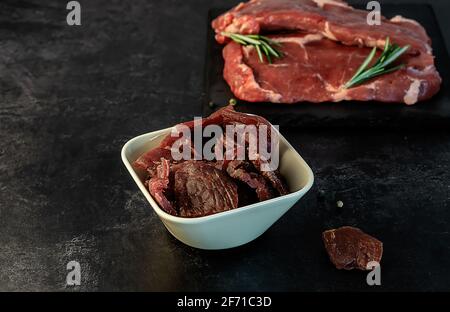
{"x":391,"y":53}
{"x":264,"y":46}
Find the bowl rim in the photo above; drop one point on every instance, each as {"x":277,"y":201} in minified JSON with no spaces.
{"x":239,"y":210}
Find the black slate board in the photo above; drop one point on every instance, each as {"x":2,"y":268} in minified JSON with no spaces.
{"x":430,"y":114}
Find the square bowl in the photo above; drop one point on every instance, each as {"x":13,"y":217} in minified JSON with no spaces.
{"x":230,"y":228}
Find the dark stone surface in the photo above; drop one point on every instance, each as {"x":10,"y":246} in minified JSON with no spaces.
{"x":70,"y":97}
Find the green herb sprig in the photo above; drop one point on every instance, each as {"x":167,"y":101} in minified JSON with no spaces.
{"x":264,"y":46}
{"x":382,"y":66}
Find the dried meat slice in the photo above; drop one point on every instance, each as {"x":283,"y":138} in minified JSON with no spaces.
{"x":196,"y":188}
{"x":150,"y":160}
{"x":159,"y":184}
{"x":350,"y":248}
{"x":241,"y":170}
{"x":274,"y":177}
{"x":201,"y":189}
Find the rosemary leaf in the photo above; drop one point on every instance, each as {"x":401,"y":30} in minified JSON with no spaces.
{"x":393,"y":69}
{"x":239,"y":41}
{"x":387,"y":47}
{"x":390,"y":54}
{"x":269,"y":58}
{"x":267,"y":53}
{"x":270,"y":41}
{"x":258,"y":49}
{"x":365,"y":63}
{"x":394,"y":56}
{"x":270,"y":49}
{"x":264,"y":46}
{"x":256,"y":37}
{"x":246,"y":39}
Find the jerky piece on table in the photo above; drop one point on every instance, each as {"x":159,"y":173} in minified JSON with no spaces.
{"x":350,"y":248}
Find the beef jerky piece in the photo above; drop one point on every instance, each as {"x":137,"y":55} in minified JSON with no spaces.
{"x":150,"y":160}
{"x":232,"y":117}
{"x":240,"y":170}
{"x":350,"y":248}
{"x":222,"y":117}
{"x":214,"y":119}
{"x":201,"y":189}
{"x":274,"y":177}
{"x":159,"y":184}
{"x":247,"y":195}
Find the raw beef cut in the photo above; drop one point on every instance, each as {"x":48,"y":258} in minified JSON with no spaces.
{"x":315,"y":69}
{"x":334,"y":19}
{"x":323,"y":44}
{"x":196,"y":188}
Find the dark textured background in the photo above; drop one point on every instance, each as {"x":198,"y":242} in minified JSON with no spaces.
{"x":70,"y":97}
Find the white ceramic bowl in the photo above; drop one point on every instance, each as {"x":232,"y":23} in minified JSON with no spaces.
{"x":230,"y":228}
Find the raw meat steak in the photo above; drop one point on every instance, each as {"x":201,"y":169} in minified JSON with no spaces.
{"x":329,"y":43}
{"x":350,"y":248}
{"x":314,"y":69}
{"x":334,"y":19}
